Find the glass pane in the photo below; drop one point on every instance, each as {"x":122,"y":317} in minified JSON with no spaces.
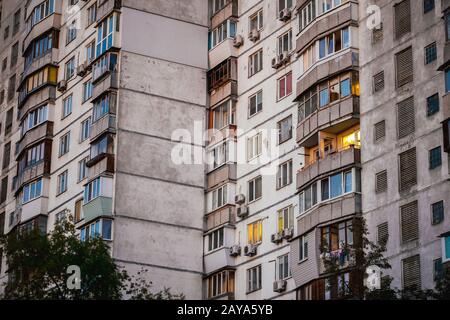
{"x":348,"y":182}
{"x":336,"y":185}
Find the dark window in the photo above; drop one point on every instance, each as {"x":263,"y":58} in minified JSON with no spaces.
{"x":383,"y":233}
{"x":411,"y":273}
{"x":408,"y":169}
{"x":437,"y":212}
{"x":14,"y":54}
{"x":2,"y":228}
{"x":409,"y":217}
{"x":447,"y":79}
{"x":404,"y":67}
{"x":438,"y":270}
{"x":380,"y":130}
{"x":11,"y":87}
{"x":432,"y":104}
{"x":9,"y":121}
{"x":428,"y":5}
{"x":406,"y":117}
{"x":16,"y":24}
{"x":6,"y":155}
{"x":4,"y":190}
{"x":435,"y":158}
{"x":430,"y":53}
{"x":381,"y":183}
{"x":378,"y":82}
{"x":402,"y":18}
{"x":377,"y":34}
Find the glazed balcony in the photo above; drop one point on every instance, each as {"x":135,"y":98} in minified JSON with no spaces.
{"x":217,"y":260}
{"x":45,"y":94}
{"x":103,"y":125}
{"x":342,"y":207}
{"x":109,"y":82}
{"x":32,"y":172}
{"x":224,"y":215}
{"x":106,"y":7}
{"x":224,"y":92}
{"x":43,"y":131}
{"x":334,"y":161}
{"x":103,"y":166}
{"x":222,"y":51}
{"x":34,"y":208}
{"x":341,"y":259}
{"x":230,"y":10}
{"x":53,"y":21}
{"x":98,"y":207}
{"x":228,"y":132}
{"x":222,"y":174}
{"x":222,"y":74}
{"x":337,"y":17}
{"x":51,"y":57}
{"x":333,"y":118}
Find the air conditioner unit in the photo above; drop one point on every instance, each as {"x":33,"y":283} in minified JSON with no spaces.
{"x":279,"y":286}
{"x":250,"y":250}
{"x":276,"y":237}
{"x":285,"y":15}
{"x":239,"y":199}
{"x":235,"y":251}
{"x":254,"y":35}
{"x":81,"y":70}
{"x":242,"y":211}
{"x":288,"y":233}
{"x":238,"y":41}
{"x":275,"y":63}
{"x":62,"y":85}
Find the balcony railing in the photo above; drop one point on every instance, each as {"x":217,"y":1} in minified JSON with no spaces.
{"x":99,"y":207}
{"x":224,"y":173}
{"x":105,"y":165}
{"x":111,"y":81}
{"x":32,"y":172}
{"x":221,"y":216}
{"x":106,"y":7}
{"x":42,"y":131}
{"x":340,"y":259}
{"x":333,"y":161}
{"x":103,"y":125}
{"x":230,"y":10}
{"x":216,"y":136}
{"x":217,"y":260}
{"x":50,"y":57}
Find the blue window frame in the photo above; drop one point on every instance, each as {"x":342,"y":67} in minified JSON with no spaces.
{"x":437,"y":212}
{"x":433,"y":104}
{"x":435,"y":158}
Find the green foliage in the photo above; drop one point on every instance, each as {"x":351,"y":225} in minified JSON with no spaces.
{"x":37,"y":268}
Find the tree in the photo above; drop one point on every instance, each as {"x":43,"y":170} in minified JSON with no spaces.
{"x":38,"y":264}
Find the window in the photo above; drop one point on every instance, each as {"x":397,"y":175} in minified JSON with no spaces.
{"x":102,"y":107}
{"x":254,"y":232}
{"x":221,"y":283}
{"x":4,"y":63}
{"x":433,"y":105}
{"x":221,"y":33}
{"x":34,"y":155}
{"x":92,"y":14}
{"x":40,"y":12}
{"x":303,"y":248}
{"x":334,"y":42}
{"x":255,"y":189}
{"x":70,"y":68}
{"x":105,"y":64}
{"x":437,"y":213}
{"x":78,"y":210}
{"x":40,"y":47}
{"x":34,"y":118}
{"x":285,"y":218}
{"x":9,"y":121}
{"x":435,"y":158}
{"x":255,"y":104}
{"x":16,"y":22}
{"x":90,"y":52}
{"x":254,"y":279}
{"x":336,"y":185}
{"x":409,"y":216}
{"x":67,"y":106}
{"x":6,"y":33}
{"x":307,"y":15}
{"x":64,"y":144}
{"x":222,"y":73}
{"x":285,"y":86}
{"x":101,"y":228}
{"x":87,"y":90}
{"x":284,"y":270}
{"x":215,"y":239}
{"x":92,"y":190}
{"x":223,"y":115}
{"x":2,"y":229}
{"x":99,"y":147}
{"x":257,"y":21}
{"x":219,"y":155}
{"x":438,"y":270}
{"x":4,"y":190}
{"x":428,"y":5}
{"x":255,"y":63}
{"x":71,"y":32}
{"x":430,"y":53}
{"x":285,"y":42}
{"x":284,"y":174}
{"x":411,"y":273}
{"x":404,"y":67}
{"x":14,"y":54}
{"x":446,"y":248}
{"x":307,"y":104}
{"x":11,"y":87}
{"x":337,"y":236}
{"x":82,"y":169}
{"x":402,"y":18}
{"x":216,"y":5}
{"x":254,"y":146}
{"x":219,"y":197}
{"x":308,"y":198}
{"x":85,"y":129}
{"x":284,"y":128}
{"x":381,"y":183}
{"x":408,"y":169}
{"x":378,"y":82}
{"x":380,"y":130}
{"x":447,"y":78}
{"x":6,"y":155}
{"x":38,"y":79}
{"x":62,"y":182}
{"x":383,"y":233}
{"x":32,"y":191}
{"x":284,"y":4}
{"x":352,"y":140}
{"x":406,"y":118}
{"x":104,"y":36}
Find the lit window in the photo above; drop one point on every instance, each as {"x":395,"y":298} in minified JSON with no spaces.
{"x":254,"y":232}
{"x":285,"y":218}
{"x":352,"y":140}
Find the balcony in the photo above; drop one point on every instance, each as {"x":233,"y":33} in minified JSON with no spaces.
{"x":99,"y":207}
{"x":215,"y":136}
{"x":333,"y":118}
{"x":51,"y":57}
{"x":222,"y":74}
{"x":446,"y":57}
{"x":217,"y":260}
{"x":340,"y":259}
{"x":106,"y":7}
{"x":338,"y":17}
{"x":53,"y":21}
{"x":32,"y":172}
{"x":111,"y":81}
{"x":230,"y":10}
{"x":34,"y":208}
{"x":345,"y":206}
{"x":222,"y":52}
{"x":40,"y":132}
{"x":222,"y":174}
{"x":446,"y":104}
{"x":220,"y":217}
{"x":335,"y":161}
{"x":103,"y":125}
{"x":224,"y":92}
{"x":46,"y":94}
{"x":105,"y":165}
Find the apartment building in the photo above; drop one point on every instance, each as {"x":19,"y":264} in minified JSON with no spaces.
{"x":405,"y":78}
{"x":88,"y":109}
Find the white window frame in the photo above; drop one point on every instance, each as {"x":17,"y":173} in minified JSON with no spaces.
{"x":216,"y":239}
{"x":280,"y":263}
{"x":220,"y":197}
{"x":82,"y":169}
{"x":258,"y":98}
{"x":254,"y":279}
{"x":281,"y":42}
{"x":255,"y":63}
{"x":286,"y":218}
{"x":62,"y":182}
{"x":256,"y":19}
{"x":281,"y":174}
{"x":85,"y":129}
{"x":254,"y":146}
{"x":67,"y":106}
{"x":303,"y":248}
{"x":64,"y":144}
{"x":251,"y":184}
